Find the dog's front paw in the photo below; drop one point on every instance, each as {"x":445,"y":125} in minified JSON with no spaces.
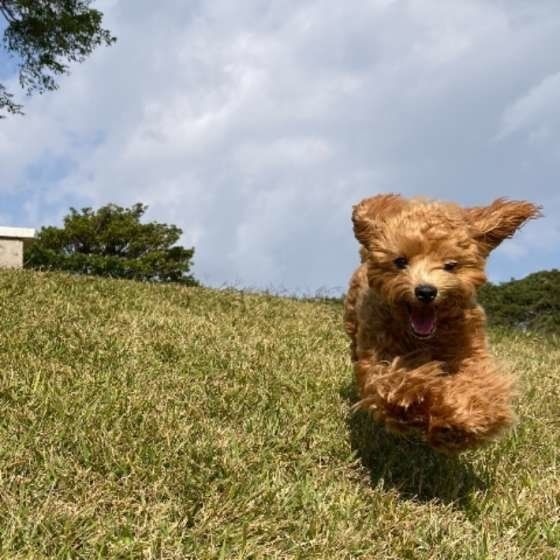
{"x":401,"y":397}
{"x":472,"y":408}
{"x":451,"y":439}
{"x":403,"y":387}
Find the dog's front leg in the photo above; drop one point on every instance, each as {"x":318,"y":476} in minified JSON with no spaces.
{"x":397,"y":393}
{"x":450,"y":408}
{"x":471,"y":406}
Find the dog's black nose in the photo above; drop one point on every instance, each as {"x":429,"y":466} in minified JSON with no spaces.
{"x":425,"y":293}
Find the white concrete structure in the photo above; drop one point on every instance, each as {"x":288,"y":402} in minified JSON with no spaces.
{"x":11,"y":245}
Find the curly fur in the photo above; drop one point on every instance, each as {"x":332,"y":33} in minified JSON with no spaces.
{"x":444,"y":387}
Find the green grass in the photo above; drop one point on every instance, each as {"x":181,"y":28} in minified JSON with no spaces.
{"x":142,"y":421}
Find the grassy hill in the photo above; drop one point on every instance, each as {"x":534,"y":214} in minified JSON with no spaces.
{"x":142,"y":421}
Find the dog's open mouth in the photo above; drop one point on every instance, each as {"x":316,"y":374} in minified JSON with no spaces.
{"x":423,"y":320}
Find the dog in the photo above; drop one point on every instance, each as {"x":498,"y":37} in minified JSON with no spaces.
{"x":418,"y":336}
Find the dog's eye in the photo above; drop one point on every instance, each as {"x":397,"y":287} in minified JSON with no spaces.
{"x":401,"y":262}
{"x":450,"y":265}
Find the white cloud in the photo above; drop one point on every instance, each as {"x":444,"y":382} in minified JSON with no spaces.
{"x":255,"y":126}
{"x":537,"y":110}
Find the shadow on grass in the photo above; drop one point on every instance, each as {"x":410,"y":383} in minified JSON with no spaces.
{"x":410,"y":467}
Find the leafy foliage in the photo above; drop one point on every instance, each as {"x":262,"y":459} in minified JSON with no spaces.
{"x":113,"y":242}
{"x":7,"y":102}
{"x":530,"y":303}
{"x":45,"y":35}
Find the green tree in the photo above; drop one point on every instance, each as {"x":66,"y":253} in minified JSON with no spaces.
{"x":530,"y":303}
{"x":44,"y":36}
{"x":113,"y":242}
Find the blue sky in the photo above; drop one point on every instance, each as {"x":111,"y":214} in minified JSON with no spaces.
{"x":255,"y":126}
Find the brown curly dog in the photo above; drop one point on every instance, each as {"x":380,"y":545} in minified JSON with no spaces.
{"x":418,"y":337}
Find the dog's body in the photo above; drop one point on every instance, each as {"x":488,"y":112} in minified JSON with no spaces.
{"x":418,"y":340}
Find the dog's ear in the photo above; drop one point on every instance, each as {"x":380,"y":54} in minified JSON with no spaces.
{"x":492,"y":224}
{"x":368,"y":215}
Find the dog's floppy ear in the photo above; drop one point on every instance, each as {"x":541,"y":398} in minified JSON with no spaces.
{"x":492,"y":224}
{"x":370,"y":213}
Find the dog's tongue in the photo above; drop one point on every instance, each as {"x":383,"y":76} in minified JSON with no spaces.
{"x":423,"y":320}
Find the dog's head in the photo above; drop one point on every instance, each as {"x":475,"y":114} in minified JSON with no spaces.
{"x":426,"y":259}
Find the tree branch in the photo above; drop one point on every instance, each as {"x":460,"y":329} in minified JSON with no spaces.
{"x":6,"y":11}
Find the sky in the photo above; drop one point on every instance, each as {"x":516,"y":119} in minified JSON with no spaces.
{"x":256,"y":125}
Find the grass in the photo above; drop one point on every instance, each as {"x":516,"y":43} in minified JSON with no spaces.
{"x":142,"y":421}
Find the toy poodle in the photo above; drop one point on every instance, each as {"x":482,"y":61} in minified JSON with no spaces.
{"x":418,"y":339}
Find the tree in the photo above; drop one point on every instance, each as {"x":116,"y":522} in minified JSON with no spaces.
{"x":44,"y":36}
{"x":112,"y":242}
{"x":530,"y":303}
